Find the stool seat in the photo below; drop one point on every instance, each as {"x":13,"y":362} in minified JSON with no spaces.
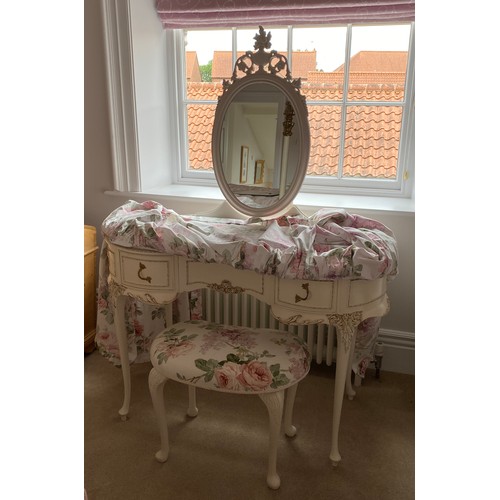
{"x":230,"y":358}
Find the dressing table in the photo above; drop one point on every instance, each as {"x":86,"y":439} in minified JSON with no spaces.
{"x":156,"y":259}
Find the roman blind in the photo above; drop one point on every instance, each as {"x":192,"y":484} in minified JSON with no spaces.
{"x":192,"y":14}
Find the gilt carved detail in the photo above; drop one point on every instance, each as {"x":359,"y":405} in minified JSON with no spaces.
{"x":346,"y":324}
{"x":297,"y":319}
{"x":226,"y":286}
{"x":115,"y":290}
{"x":262,"y":61}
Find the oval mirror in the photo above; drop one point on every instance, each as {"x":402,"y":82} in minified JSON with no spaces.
{"x":260,"y":139}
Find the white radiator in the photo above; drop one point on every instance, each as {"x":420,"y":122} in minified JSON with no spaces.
{"x":240,"y":309}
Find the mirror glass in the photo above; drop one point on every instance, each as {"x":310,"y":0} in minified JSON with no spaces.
{"x":260,"y":142}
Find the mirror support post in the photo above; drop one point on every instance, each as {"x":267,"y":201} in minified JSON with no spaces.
{"x":287,"y":132}
{"x":284,"y":163}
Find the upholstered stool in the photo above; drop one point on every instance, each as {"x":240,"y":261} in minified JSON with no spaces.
{"x":239,"y":360}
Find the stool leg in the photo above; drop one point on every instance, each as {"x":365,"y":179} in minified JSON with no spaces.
{"x":274,"y":404}
{"x":192,"y":409}
{"x":156,"y":385}
{"x":290,"y":429}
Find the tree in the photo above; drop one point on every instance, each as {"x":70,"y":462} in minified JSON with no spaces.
{"x":206,"y":72}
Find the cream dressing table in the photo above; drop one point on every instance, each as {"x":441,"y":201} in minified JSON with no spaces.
{"x":158,"y":278}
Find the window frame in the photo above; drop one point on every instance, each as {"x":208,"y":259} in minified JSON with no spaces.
{"x":131,"y":31}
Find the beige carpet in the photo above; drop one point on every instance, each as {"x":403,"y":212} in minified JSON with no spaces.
{"x":222,"y":453}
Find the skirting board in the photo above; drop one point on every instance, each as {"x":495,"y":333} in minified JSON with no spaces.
{"x":399,"y":351}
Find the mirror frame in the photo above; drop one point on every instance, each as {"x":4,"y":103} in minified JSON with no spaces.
{"x":291,"y":90}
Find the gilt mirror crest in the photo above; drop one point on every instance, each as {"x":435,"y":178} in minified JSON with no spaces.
{"x":260,"y":140}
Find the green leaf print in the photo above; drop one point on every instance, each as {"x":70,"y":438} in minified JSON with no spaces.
{"x":206,"y":365}
{"x":173,"y":332}
{"x":357,"y":270}
{"x":162,"y":358}
{"x":177,"y":242}
{"x":280,"y":380}
{"x":201,"y":364}
{"x":158,"y":313}
{"x":275,"y":370}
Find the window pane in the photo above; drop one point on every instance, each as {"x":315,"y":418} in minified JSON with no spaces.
{"x":377,"y":66}
{"x":208,"y":57}
{"x":200,"y":125}
{"x":318,"y":57}
{"x":372,"y":141}
{"x":324,"y":125}
{"x":377,"y":71}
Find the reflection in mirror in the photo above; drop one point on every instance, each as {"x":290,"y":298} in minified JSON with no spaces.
{"x":259,"y":155}
{"x":261,"y":134}
{"x":255,"y":147}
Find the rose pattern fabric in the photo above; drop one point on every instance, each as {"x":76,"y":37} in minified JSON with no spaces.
{"x":224,"y":358}
{"x":331,"y":244}
{"x":364,"y":347}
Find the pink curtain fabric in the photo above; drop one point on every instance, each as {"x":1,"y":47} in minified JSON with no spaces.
{"x":193,"y":14}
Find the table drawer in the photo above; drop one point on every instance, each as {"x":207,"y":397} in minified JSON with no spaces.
{"x":364,"y":292}
{"x":147,"y":271}
{"x":223,"y":278}
{"x":305,"y":294}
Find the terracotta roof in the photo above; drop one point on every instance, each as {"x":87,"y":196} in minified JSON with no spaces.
{"x":200,"y":125}
{"x":222,"y":65}
{"x":357,"y":77}
{"x":193,"y":73}
{"x":303,"y":63}
{"x":371,"y":143}
{"x":357,"y":92}
{"x":391,"y":61}
{"x":204,"y":91}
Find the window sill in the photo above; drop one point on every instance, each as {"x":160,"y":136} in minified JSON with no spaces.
{"x":202,"y":199}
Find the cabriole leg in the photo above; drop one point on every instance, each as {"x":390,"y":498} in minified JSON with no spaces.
{"x":156,"y":385}
{"x":121,"y":335}
{"x":348,"y":382}
{"x":290,"y":429}
{"x":346,"y":326}
{"x":274,"y":403}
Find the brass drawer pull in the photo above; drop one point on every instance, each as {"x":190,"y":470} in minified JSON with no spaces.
{"x":141,"y":268}
{"x":305,"y":286}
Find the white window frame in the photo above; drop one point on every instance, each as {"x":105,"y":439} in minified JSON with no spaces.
{"x":127,"y":25}
{"x":313,"y":184}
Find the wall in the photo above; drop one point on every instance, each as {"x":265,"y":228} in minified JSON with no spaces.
{"x":398,"y":326}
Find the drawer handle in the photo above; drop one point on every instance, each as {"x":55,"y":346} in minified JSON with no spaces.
{"x":305,"y":286}
{"x":141,"y":268}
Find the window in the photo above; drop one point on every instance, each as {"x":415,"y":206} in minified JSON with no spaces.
{"x":359,"y":86}
{"x":151,"y":109}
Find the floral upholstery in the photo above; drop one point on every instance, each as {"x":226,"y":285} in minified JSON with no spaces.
{"x":230,"y":359}
{"x":331,"y":244}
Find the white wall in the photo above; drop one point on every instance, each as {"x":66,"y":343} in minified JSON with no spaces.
{"x":99,"y":178}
